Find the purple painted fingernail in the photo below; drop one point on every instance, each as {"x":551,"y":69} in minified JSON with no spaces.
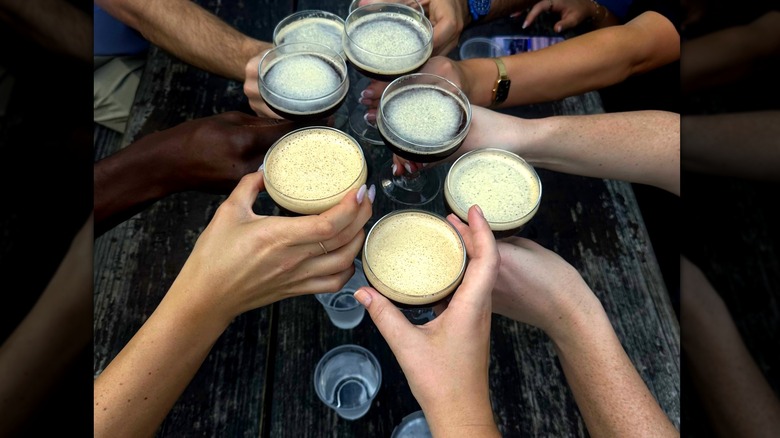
{"x":372,"y":193}
{"x":395,"y":168}
{"x":361,"y":193}
{"x":367,"y":93}
{"x":408,"y":167}
{"x":259,"y":169}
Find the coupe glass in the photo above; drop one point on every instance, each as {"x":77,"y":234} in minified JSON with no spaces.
{"x":423,"y":118}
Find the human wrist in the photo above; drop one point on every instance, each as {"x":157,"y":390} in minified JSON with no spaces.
{"x":598,"y":13}
{"x":475,"y":83}
{"x":470,"y":418}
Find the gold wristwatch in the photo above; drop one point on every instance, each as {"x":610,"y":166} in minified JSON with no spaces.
{"x":501,"y":88}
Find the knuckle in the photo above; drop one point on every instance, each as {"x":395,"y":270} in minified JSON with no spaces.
{"x":324,"y":228}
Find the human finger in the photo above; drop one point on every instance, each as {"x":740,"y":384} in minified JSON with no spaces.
{"x":327,"y":225}
{"x":481,"y":272}
{"x":535,"y":11}
{"x":245,"y":193}
{"x":392,"y":324}
{"x":567,"y":21}
{"x":337,"y":260}
{"x":322,"y":283}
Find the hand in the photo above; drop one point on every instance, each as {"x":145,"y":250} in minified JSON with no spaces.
{"x":448,"y":18}
{"x":451,"y":384}
{"x":213,"y":153}
{"x":252,"y":88}
{"x":573,"y":12}
{"x":538,"y":287}
{"x":488,"y":128}
{"x":243,"y":261}
{"x":438,"y":65}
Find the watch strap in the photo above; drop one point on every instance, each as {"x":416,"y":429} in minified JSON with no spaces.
{"x":501,"y":87}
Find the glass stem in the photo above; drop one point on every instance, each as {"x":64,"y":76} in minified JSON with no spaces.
{"x":412,"y":182}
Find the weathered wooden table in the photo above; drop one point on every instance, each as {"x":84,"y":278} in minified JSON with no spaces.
{"x":257,"y":380}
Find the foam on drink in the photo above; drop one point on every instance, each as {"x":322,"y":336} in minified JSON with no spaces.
{"x":425,"y":115}
{"x":414,"y":257}
{"x":302,"y":76}
{"x":309,"y":170}
{"x":505,"y":187}
{"x":388,"y":43}
{"x":313,"y":30}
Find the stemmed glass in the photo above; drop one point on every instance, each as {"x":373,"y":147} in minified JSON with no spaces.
{"x":423,"y":118}
{"x":303,"y":81}
{"x":381,"y":34}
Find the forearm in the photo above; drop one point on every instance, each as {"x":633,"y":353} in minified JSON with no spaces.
{"x":54,"y":24}
{"x":592,"y":61}
{"x":190,"y":33}
{"x":640,"y":146}
{"x":610,"y":394}
{"x":136,"y":391}
{"x":742,"y":145}
{"x":44,"y":345}
{"x":127,"y":182}
{"x":738,"y":399}
{"x":727,"y":55}
{"x":472,"y":416}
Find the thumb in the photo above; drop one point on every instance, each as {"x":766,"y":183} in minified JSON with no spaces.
{"x":392,"y":324}
{"x":566,"y":22}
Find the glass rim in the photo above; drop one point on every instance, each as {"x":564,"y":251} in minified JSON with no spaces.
{"x":262,"y":85}
{"x":313,"y":128}
{"x":358,"y":268}
{"x":296,"y":16}
{"x":354,"y":2}
{"x":340,"y":349}
{"x":435,"y":295}
{"x":514,"y":156}
{"x":423,"y":19}
{"x":460,"y":96}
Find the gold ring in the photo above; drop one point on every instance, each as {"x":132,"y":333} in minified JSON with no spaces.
{"x":324,"y":251}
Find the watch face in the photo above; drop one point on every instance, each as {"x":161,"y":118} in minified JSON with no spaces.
{"x":502,"y":90}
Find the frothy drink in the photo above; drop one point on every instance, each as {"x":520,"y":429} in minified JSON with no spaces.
{"x":505,"y":187}
{"x":422,"y":121}
{"x":387,"y":44}
{"x":414,"y":257}
{"x":314,"y":29}
{"x":303,"y":84}
{"x":310,"y":170}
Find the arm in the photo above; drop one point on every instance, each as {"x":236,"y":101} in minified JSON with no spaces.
{"x":451,"y":384}
{"x":735,"y":394}
{"x":209,"y":154}
{"x":44,"y":345}
{"x":727,"y":55}
{"x":585,"y":63}
{"x":240,"y":262}
{"x":635,"y":146}
{"x":54,"y":24}
{"x":538,"y":287}
{"x":742,"y":145}
{"x":190,"y":33}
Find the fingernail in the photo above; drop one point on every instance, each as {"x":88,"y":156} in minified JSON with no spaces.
{"x":261,"y":167}
{"x":369,"y":118}
{"x":363,"y":297}
{"x":372,"y":193}
{"x":558,"y":29}
{"x":408,"y":167}
{"x":479,"y":210}
{"x":365,"y":102}
{"x":395,"y":168}
{"x":525,"y":24}
{"x":361,"y":193}
{"x":425,"y":164}
{"x":366,"y":93}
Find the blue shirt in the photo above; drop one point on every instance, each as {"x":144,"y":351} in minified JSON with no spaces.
{"x":114,"y":38}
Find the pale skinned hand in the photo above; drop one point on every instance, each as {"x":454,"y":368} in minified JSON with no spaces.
{"x":243,"y":261}
{"x":487,"y":128}
{"x":572,"y":12}
{"x":252,"y":88}
{"x":538,"y":287}
{"x":451,"y":384}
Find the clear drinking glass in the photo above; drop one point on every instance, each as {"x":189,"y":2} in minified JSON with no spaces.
{"x":347,"y":379}
{"x":343,"y":309}
{"x":373,"y":13}
{"x":303,"y":81}
{"x":413,"y":425}
{"x":423,"y":118}
{"x":311,"y":26}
